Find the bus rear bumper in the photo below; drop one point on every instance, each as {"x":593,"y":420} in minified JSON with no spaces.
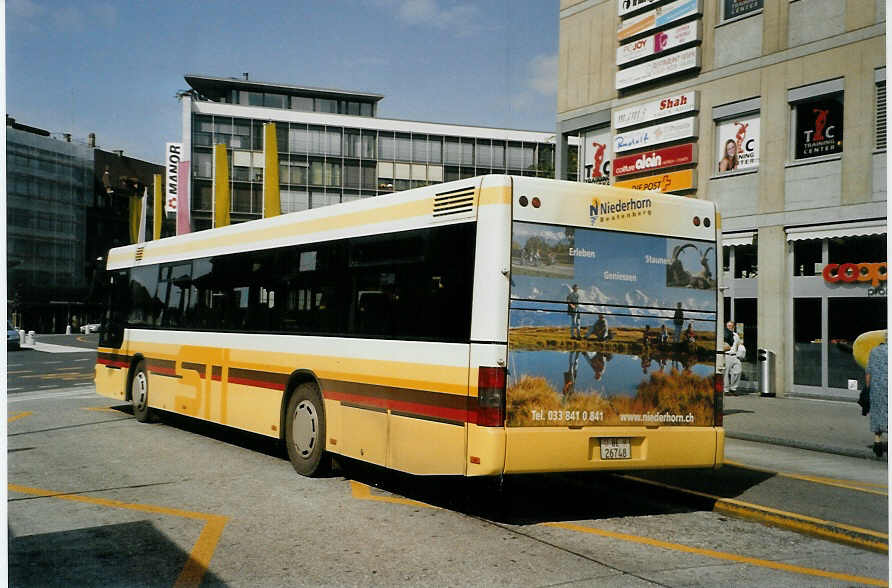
{"x":561,"y":449}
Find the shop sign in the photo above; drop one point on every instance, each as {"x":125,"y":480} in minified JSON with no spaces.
{"x":659,"y":17}
{"x":818,"y":128}
{"x":629,"y":6}
{"x":595,"y":157}
{"x":173,"y":155}
{"x":737,"y":143}
{"x":850,"y":273}
{"x":668,"y":182}
{"x":735,"y":8}
{"x":654,"y":160}
{"x":649,"y":111}
{"x":658,"y":68}
{"x":655,"y":44}
{"x":676,"y":130}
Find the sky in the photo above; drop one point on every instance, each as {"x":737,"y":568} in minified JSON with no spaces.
{"x":114,"y":67}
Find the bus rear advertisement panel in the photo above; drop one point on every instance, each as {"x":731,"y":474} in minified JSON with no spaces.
{"x":610,"y":328}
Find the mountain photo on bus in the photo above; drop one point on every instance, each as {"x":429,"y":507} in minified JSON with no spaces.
{"x":625,"y":335}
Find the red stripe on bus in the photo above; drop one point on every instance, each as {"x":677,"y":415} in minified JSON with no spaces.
{"x":257,"y":383}
{"x":441,"y":412}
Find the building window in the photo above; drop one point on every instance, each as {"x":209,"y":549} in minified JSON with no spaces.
{"x":807,"y":341}
{"x":848,"y":318}
{"x":403,"y":147}
{"x":303,"y":104}
{"x":807,"y":256}
{"x":274,"y":100}
{"x":386,"y":146}
{"x":736,"y":8}
{"x":325,"y":105}
{"x":817,"y":119}
{"x":737,"y":143}
{"x":745,"y":261}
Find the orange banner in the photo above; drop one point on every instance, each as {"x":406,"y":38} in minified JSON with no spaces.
{"x":669,"y":182}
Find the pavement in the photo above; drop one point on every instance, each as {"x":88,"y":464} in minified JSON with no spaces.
{"x":829,"y":426}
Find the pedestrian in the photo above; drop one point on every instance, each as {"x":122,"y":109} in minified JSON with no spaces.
{"x":877,"y":378}
{"x":664,"y":335}
{"x":573,"y":311}
{"x":733,"y":365}
{"x":678,"y":321}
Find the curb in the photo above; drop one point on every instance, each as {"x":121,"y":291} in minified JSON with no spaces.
{"x":829,"y":530}
{"x":846,"y":451}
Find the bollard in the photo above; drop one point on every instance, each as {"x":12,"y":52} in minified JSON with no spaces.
{"x":30,"y":339}
{"x":766,"y":380}
{"x":67,"y":329}
{"x":22,"y":336}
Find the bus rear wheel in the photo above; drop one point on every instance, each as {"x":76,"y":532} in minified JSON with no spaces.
{"x":305,"y":431}
{"x":139,"y":393}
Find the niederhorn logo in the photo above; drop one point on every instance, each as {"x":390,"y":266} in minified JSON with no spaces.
{"x":608,"y":211}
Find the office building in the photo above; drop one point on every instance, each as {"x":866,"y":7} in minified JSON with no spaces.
{"x":67,"y":203}
{"x":333,"y":148}
{"x":776,"y":111}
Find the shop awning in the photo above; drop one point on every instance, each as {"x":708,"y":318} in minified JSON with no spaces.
{"x":737,"y":239}
{"x":834,"y":231}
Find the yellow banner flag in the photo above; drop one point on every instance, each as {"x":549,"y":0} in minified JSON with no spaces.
{"x":221,"y":186}
{"x":271,"y":202}
{"x":157,"y":207}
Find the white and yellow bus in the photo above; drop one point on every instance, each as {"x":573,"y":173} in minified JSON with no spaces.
{"x":488,"y":326}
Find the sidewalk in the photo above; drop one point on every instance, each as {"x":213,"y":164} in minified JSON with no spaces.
{"x":820,"y":425}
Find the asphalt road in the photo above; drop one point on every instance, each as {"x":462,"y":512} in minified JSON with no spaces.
{"x":28,"y":369}
{"x":96,"y":498}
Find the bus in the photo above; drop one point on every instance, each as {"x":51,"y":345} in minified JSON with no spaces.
{"x":488,"y":326}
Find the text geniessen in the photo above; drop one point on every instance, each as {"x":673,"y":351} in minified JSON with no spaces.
{"x":574,"y":252}
{"x":620,"y":277}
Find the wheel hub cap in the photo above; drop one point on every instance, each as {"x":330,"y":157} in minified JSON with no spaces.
{"x":305,"y":428}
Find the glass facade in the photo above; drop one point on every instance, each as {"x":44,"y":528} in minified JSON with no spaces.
{"x":49,"y":186}
{"x":303,"y":103}
{"x":321,"y":165}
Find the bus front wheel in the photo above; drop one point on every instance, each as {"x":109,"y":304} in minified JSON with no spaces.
{"x":305,"y":431}
{"x":139,"y":393}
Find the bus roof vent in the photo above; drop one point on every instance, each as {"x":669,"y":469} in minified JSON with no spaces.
{"x":454,"y":202}
{"x":138,"y":255}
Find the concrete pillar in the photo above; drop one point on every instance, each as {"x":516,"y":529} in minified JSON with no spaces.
{"x":772,"y":302}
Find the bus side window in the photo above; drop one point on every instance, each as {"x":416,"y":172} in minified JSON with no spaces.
{"x":145,"y":307}
{"x":114,"y":320}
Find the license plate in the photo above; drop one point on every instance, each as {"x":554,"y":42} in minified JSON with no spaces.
{"x":616,"y":448}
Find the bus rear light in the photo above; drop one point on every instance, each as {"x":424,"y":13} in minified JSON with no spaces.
{"x":491,"y":396}
{"x":696,"y":221}
{"x":706,"y":222}
{"x":718,"y":401}
{"x":523,"y":201}
{"x":536,"y":202}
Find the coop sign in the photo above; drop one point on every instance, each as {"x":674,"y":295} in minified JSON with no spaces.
{"x":850,"y":273}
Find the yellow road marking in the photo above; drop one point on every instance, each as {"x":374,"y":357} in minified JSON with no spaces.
{"x":102,"y":409}
{"x":202,"y":551}
{"x":18,"y":415}
{"x":720,"y":555}
{"x":82,"y":340}
{"x":838,"y":483}
{"x":789,"y":520}
{"x":361,"y":491}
